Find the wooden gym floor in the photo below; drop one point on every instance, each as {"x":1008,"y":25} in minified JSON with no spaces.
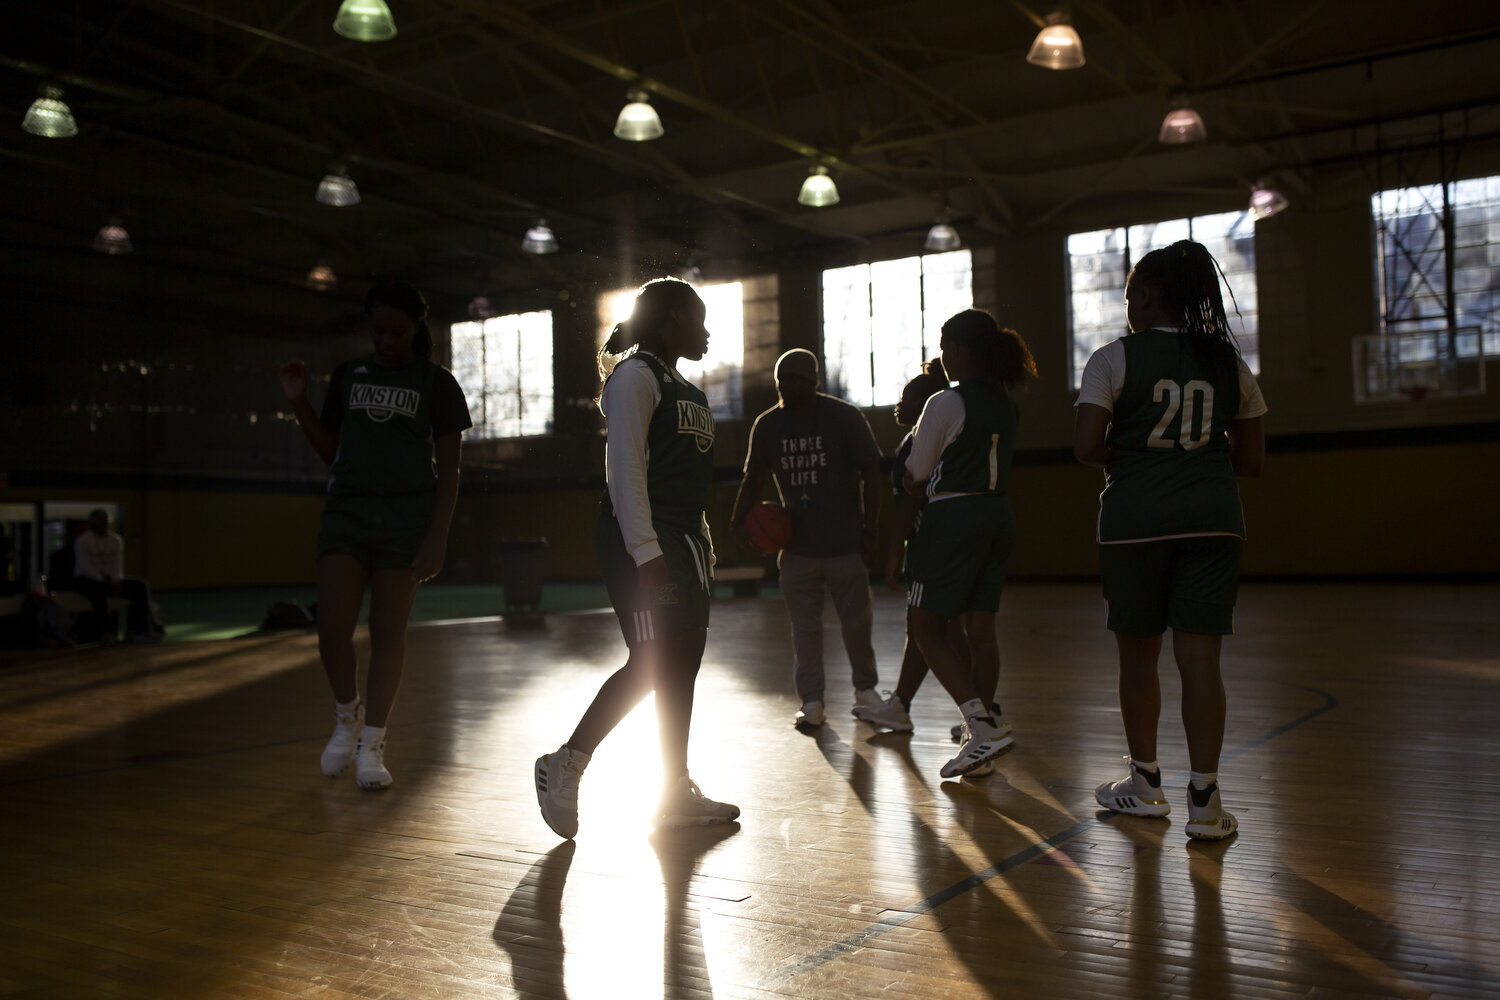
{"x":166,"y":832}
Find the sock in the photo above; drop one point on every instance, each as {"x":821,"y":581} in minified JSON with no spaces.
{"x":1203,"y":780}
{"x":973,"y":708}
{"x":1149,"y":769}
{"x":371,"y":735}
{"x":347,"y":707}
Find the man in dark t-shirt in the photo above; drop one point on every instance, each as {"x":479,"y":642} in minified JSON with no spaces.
{"x":826,"y":466}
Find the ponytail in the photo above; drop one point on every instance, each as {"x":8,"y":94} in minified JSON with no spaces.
{"x":1000,"y":353}
{"x":404,"y":297}
{"x":654,"y":300}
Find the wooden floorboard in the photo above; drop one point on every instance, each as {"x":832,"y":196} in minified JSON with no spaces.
{"x":166,"y":832}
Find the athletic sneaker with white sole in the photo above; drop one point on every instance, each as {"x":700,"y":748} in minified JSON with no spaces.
{"x":887,"y":713}
{"x":864,"y":698}
{"x":1137,"y":794}
{"x":1207,"y":819}
{"x":684,"y":804}
{"x":339,"y":753}
{"x":982,"y":771}
{"x":956,"y":734}
{"x":369,"y":766}
{"x":982,"y":742}
{"x":557,"y":776}
{"x":810,"y":714}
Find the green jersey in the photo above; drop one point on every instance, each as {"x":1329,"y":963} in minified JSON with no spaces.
{"x":978,"y":460}
{"x":679,"y":451}
{"x":387,"y":420}
{"x":1169,"y":472}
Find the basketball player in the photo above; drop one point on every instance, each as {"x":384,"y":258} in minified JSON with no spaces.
{"x":390,"y":431}
{"x":1172,"y":414}
{"x":960,"y":460}
{"x":654,"y":550}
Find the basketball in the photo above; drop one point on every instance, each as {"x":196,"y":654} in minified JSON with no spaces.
{"x":770,"y":527}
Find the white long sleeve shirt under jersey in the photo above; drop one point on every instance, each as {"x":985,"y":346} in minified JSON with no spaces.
{"x":941,"y":422}
{"x":630,"y":397}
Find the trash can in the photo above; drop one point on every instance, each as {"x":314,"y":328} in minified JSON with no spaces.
{"x":521,"y":561}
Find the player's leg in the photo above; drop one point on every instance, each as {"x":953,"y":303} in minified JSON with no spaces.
{"x":391,"y":594}
{"x":341,"y":591}
{"x":1205,"y":587}
{"x":801,"y":583}
{"x":849,"y":583}
{"x":1136,"y":580}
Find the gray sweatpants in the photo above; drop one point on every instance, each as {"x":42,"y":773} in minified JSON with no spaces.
{"x":803,"y":579}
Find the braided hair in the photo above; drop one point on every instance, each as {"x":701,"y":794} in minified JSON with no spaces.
{"x":1000,"y":353}
{"x":405,"y":298}
{"x":1187,"y":276}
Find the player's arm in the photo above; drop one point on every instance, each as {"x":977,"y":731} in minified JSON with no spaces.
{"x":1090,"y":429}
{"x":1247,"y":446}
{"x":906,"y":516}
{"x":429,"y":559}
{"x":752,"y":487}
{"x":293,"y":376}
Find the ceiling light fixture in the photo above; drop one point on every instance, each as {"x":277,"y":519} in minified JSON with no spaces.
{"x":48,"y":116}
{"x":638,"y":121}
{"x":539,"y":239}
{"x":1181,"y":125}
{"x":113,"y":239}
{"x":1266,"y":201}
{"x":942,"y":236}
{"x":1057,"y":45}
{"x":321,"y":278}
{"x":818,"y":190}
{"x":365,"y":21}
{"x":338,"y":189}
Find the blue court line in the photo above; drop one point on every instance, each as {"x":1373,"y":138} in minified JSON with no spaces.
{"x":900,"y":918}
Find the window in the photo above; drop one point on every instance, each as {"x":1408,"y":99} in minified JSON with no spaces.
{"x":504,"y":366}
{"x":882,"y":320}
{"x":1416,"y":290}
{"x":719,"y":373}
{"x":1099,"y":262}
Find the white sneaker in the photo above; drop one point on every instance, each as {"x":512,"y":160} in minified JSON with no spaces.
{"x":982,"y":742}
{"x":864,"y":698}
{"x":339,"y":753}
{"x":369,"y":766}
{"x":810,"y":714}
{"x":982,"y":771}
{"x":557,"y":776}
{"x":684,"y":804}
{"x":956,"y":734}
{"x":1209,"y":821}
{"x":1136,"y":794}
{"x":888,"y":714}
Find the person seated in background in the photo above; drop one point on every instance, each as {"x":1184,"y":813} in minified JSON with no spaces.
{"x":99,"y":574}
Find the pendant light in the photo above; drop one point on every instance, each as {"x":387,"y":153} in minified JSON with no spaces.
{"x":1057,"y":46}
{"x":365,"y":21}
{"x":1266,"y":201}
{"x":338,"y":189}
{"x":539,"y":239}
{"x":113,"y":239}
{"x":1181,"y":125}
{"x":942,"y":236}
{"x":48,"y":116}
{"x":321,"y":278}
{"x":818,"y":189}
{"x":638,"y":121}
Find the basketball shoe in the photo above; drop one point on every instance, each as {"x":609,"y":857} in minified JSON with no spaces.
{"x":982,"y":742}
{"x":339,"y":753}
{"x":684,"y":804}
{"x":888,"y":713}
{"x":557,"y":776}
{"x":809,"y":715}
{"x":865,"y":697}
{"x":1138,"y":794}
{"x":956,"y":734}
{"x":369,"y":766}
{"x":1207,"y":819}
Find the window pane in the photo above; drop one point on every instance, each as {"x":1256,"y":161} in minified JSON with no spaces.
{"x":504,"y":366}
{"x":895,"y":327}
{"x":1097,"y":265}
{"x":846,"y":334}
{"x":467,"y":345}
